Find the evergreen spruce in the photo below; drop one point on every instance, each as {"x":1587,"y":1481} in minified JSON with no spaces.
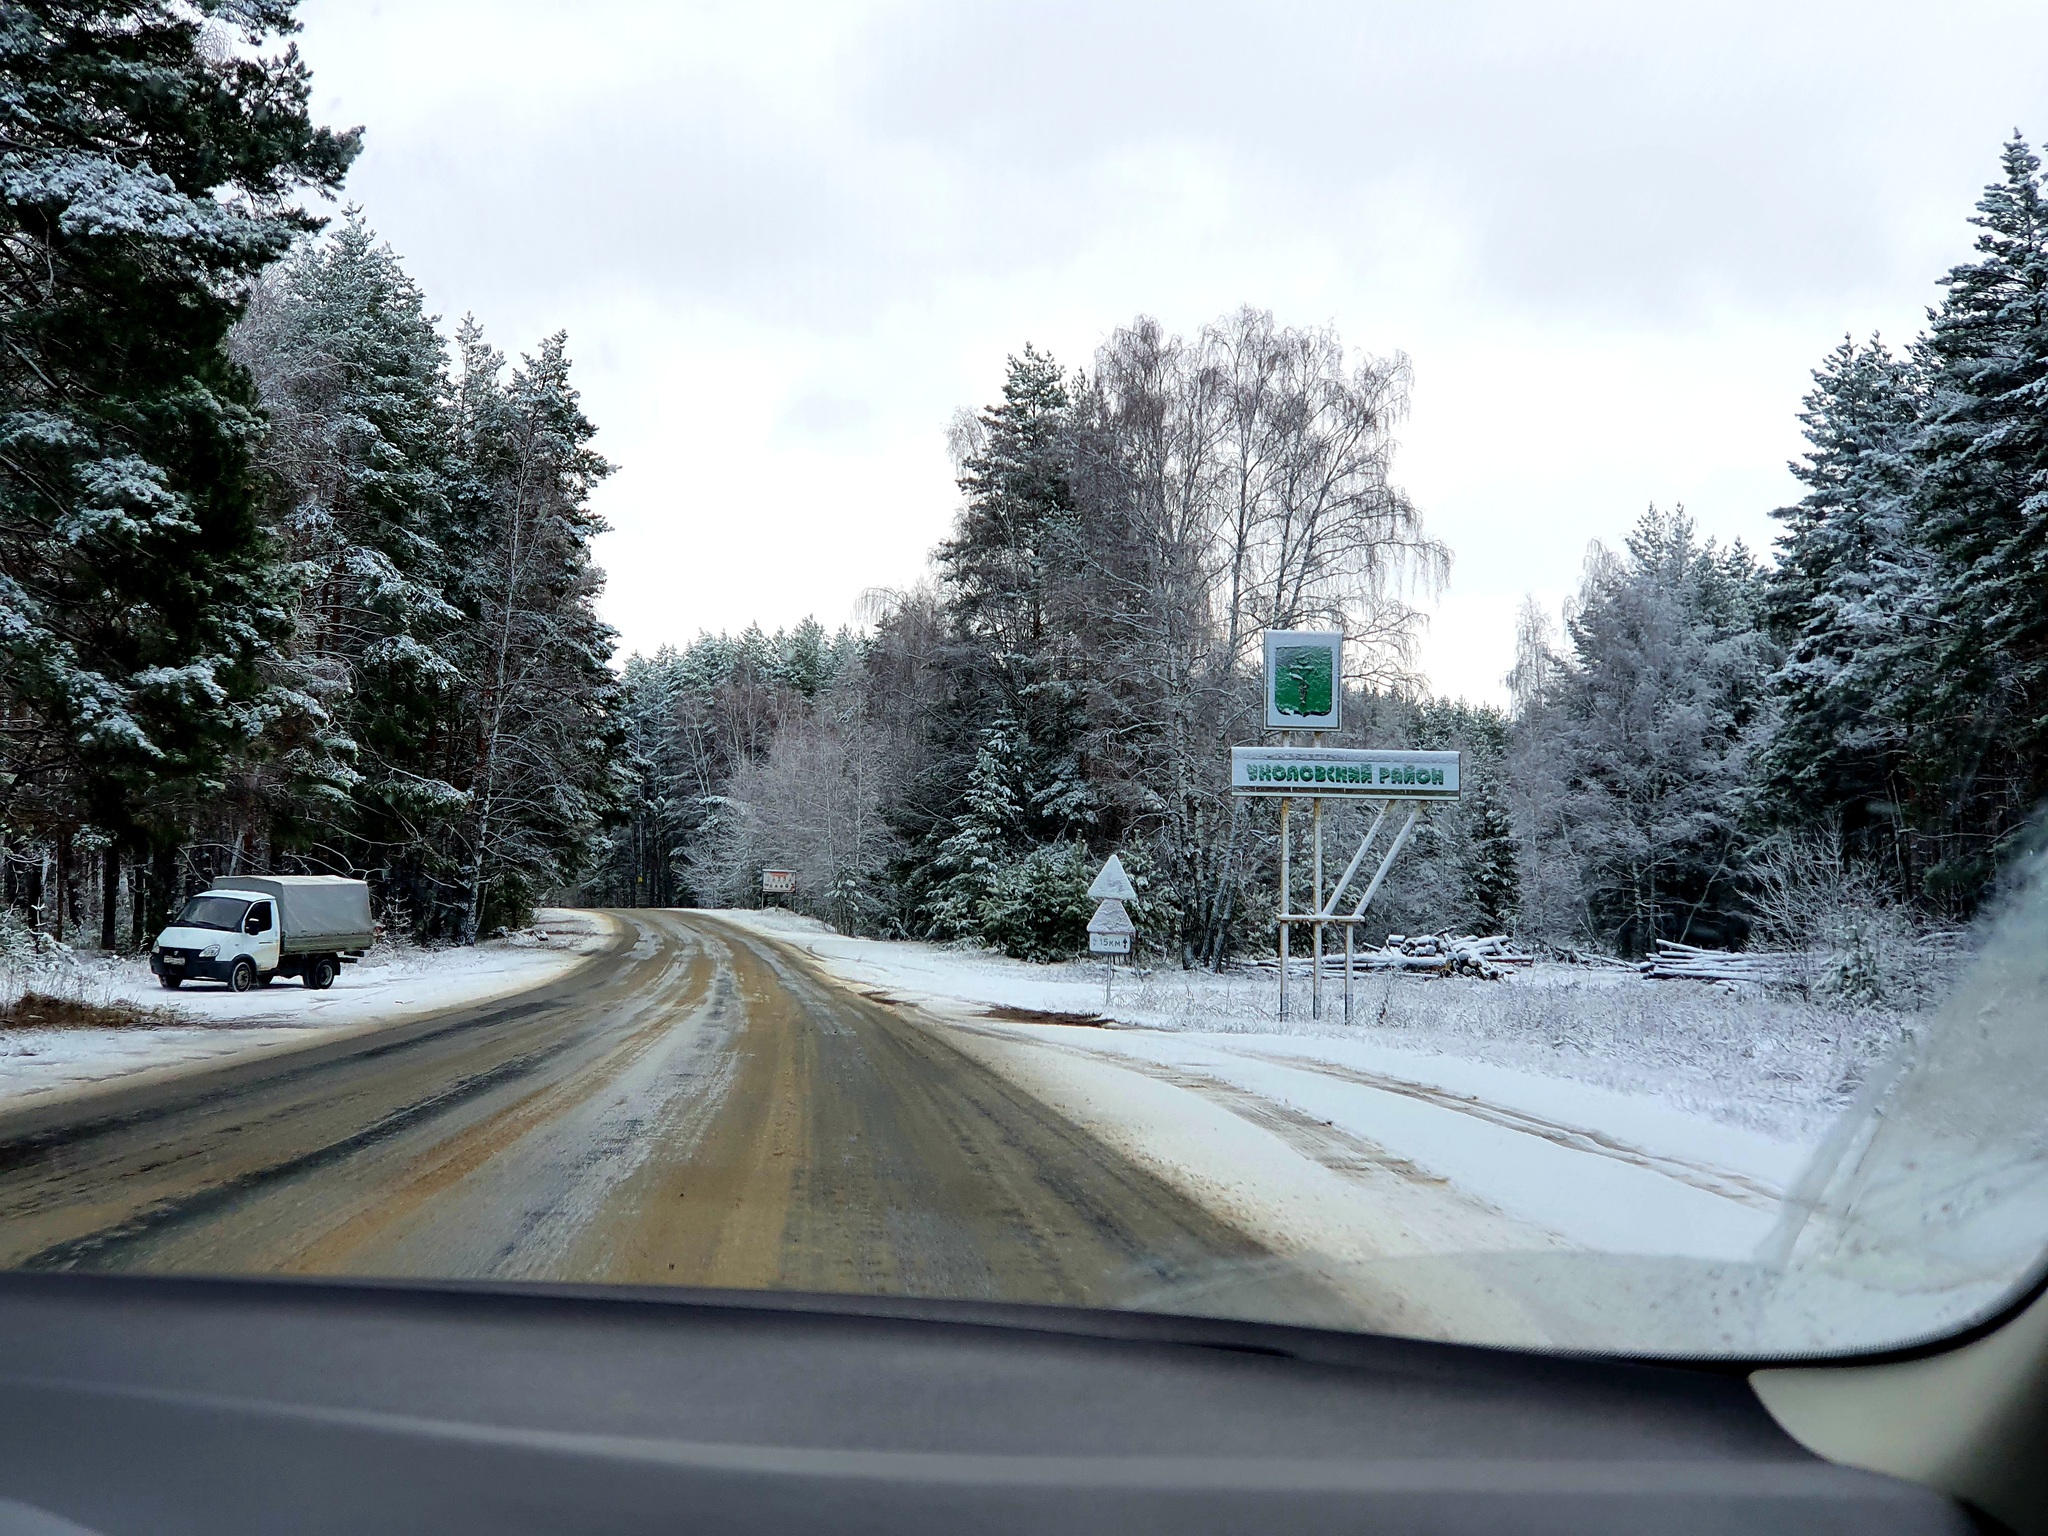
{"x":1630,"y":766}
{"x":1018,"y":514}
{"x":1476,"y":836}
{"x":148,"y":174}
{"x":984,"y":836}
{"x":536,"y":725}
{"x":1851,"y":602}
{"x":1984,"y":505}
{"x":353,"y":380}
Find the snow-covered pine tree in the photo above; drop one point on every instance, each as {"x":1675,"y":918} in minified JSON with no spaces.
{"x":1629,"y":765}
{"x":1011,"y":653}
{"x":1851,"y":602}
{"x":1017,"y":476}
{"x":1467,"y":859}
{"x":982,"y":836}
{"x":352,"y":376}
{"x":153,"y":152}
{"x":641,"y":865}
{"x":1013,"y":551}
{"x":804,"y":658}
{"x":1984,"y":504}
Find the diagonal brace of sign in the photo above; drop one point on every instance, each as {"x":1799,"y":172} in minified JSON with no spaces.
{"x":1358,"y":858}
{"x":1387,"y":863}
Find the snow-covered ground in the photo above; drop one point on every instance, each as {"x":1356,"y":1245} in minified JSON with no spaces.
{"x":1748,"y":1057}
{"x":200,"y":1023}
{"x":1564,"y":1111}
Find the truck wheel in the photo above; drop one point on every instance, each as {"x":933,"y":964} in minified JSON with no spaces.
{"x":242,"y":977}
{"x":320,"y":974}
{"x":170,"y":983}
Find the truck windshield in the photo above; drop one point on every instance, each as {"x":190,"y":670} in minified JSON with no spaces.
{"x":222,"y":912}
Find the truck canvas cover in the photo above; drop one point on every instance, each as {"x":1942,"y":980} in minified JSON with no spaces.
{"x":315,"y":912}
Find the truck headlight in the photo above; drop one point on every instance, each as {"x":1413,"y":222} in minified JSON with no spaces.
{"x":211,"y":952}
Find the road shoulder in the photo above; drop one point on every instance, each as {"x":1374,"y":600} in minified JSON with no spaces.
{"x":1432,"y":1202}
{"x":210,"y":1030}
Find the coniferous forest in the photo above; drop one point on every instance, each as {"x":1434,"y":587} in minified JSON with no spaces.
{"x":288,"y":579}
{"x":295,"y":576}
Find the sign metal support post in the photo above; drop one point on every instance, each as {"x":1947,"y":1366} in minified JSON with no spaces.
{"x":1349,"y":930}
{"x":1286,"y":901}
{"x":1315,"y":990}
{"x":1387,"y":863}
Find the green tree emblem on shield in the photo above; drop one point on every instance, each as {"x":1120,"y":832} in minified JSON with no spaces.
{"x":1302,"y":684}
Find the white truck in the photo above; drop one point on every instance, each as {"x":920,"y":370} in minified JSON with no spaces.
{"x":247,"y":930}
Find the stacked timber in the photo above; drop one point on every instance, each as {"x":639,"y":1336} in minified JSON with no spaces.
{"x":1688,"y":962}
{"x":1570,"y":954}
{"x":1492,"y":949}
{"x":1425,"y":954}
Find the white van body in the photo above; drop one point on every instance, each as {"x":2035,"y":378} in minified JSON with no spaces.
{"x":247,"y":930}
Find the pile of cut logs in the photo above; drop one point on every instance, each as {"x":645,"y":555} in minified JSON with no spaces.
{"x":1429,"y":954}
{"x":1687,"y":962}
{"x":1465,"y":955}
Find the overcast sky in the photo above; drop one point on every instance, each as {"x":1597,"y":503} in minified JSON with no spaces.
{"x":787,"y":242}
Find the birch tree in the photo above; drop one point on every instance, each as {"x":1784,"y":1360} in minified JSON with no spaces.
{"x":538,"y":724}
{"x":1238,"y":483}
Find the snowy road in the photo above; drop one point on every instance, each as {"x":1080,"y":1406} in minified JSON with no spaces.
{"x":697,"y":1105}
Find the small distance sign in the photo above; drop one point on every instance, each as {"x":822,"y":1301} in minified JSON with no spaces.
{"x":778,"y":882}
{"x":1110,"y":929}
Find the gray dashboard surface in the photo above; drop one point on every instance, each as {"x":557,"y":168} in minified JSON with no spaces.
{"x":159,"y":1405}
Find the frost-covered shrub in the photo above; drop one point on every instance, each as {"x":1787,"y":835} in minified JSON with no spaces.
{"x":22,"y":945}
{"x":17,"y":942}
{"x":1851,"y":940}
{"x":1037,"y":908}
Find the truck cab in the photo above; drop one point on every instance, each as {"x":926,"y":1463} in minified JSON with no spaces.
{"x":224,"y":936}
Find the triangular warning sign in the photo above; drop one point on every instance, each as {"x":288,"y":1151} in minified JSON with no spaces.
{"x":1111,"y":917}
{"x":1112,"y":884}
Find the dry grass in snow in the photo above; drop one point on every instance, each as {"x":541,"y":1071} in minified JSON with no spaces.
{"x":1746,"y":1055}
{"x":46,"y":1010}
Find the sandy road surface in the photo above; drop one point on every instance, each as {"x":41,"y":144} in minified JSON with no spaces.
{"x":695,"y":1106}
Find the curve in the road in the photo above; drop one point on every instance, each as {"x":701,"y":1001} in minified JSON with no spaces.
{"x":696,"y":1106}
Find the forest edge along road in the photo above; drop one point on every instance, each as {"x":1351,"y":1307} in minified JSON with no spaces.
{"x":696,"y":1105}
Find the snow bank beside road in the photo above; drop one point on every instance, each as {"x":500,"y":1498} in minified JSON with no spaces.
{"x":1749,"y":1058}
{"x":1638,"y":1171}
{"x":391,"y":984}
{"x":1388,"y":1157}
